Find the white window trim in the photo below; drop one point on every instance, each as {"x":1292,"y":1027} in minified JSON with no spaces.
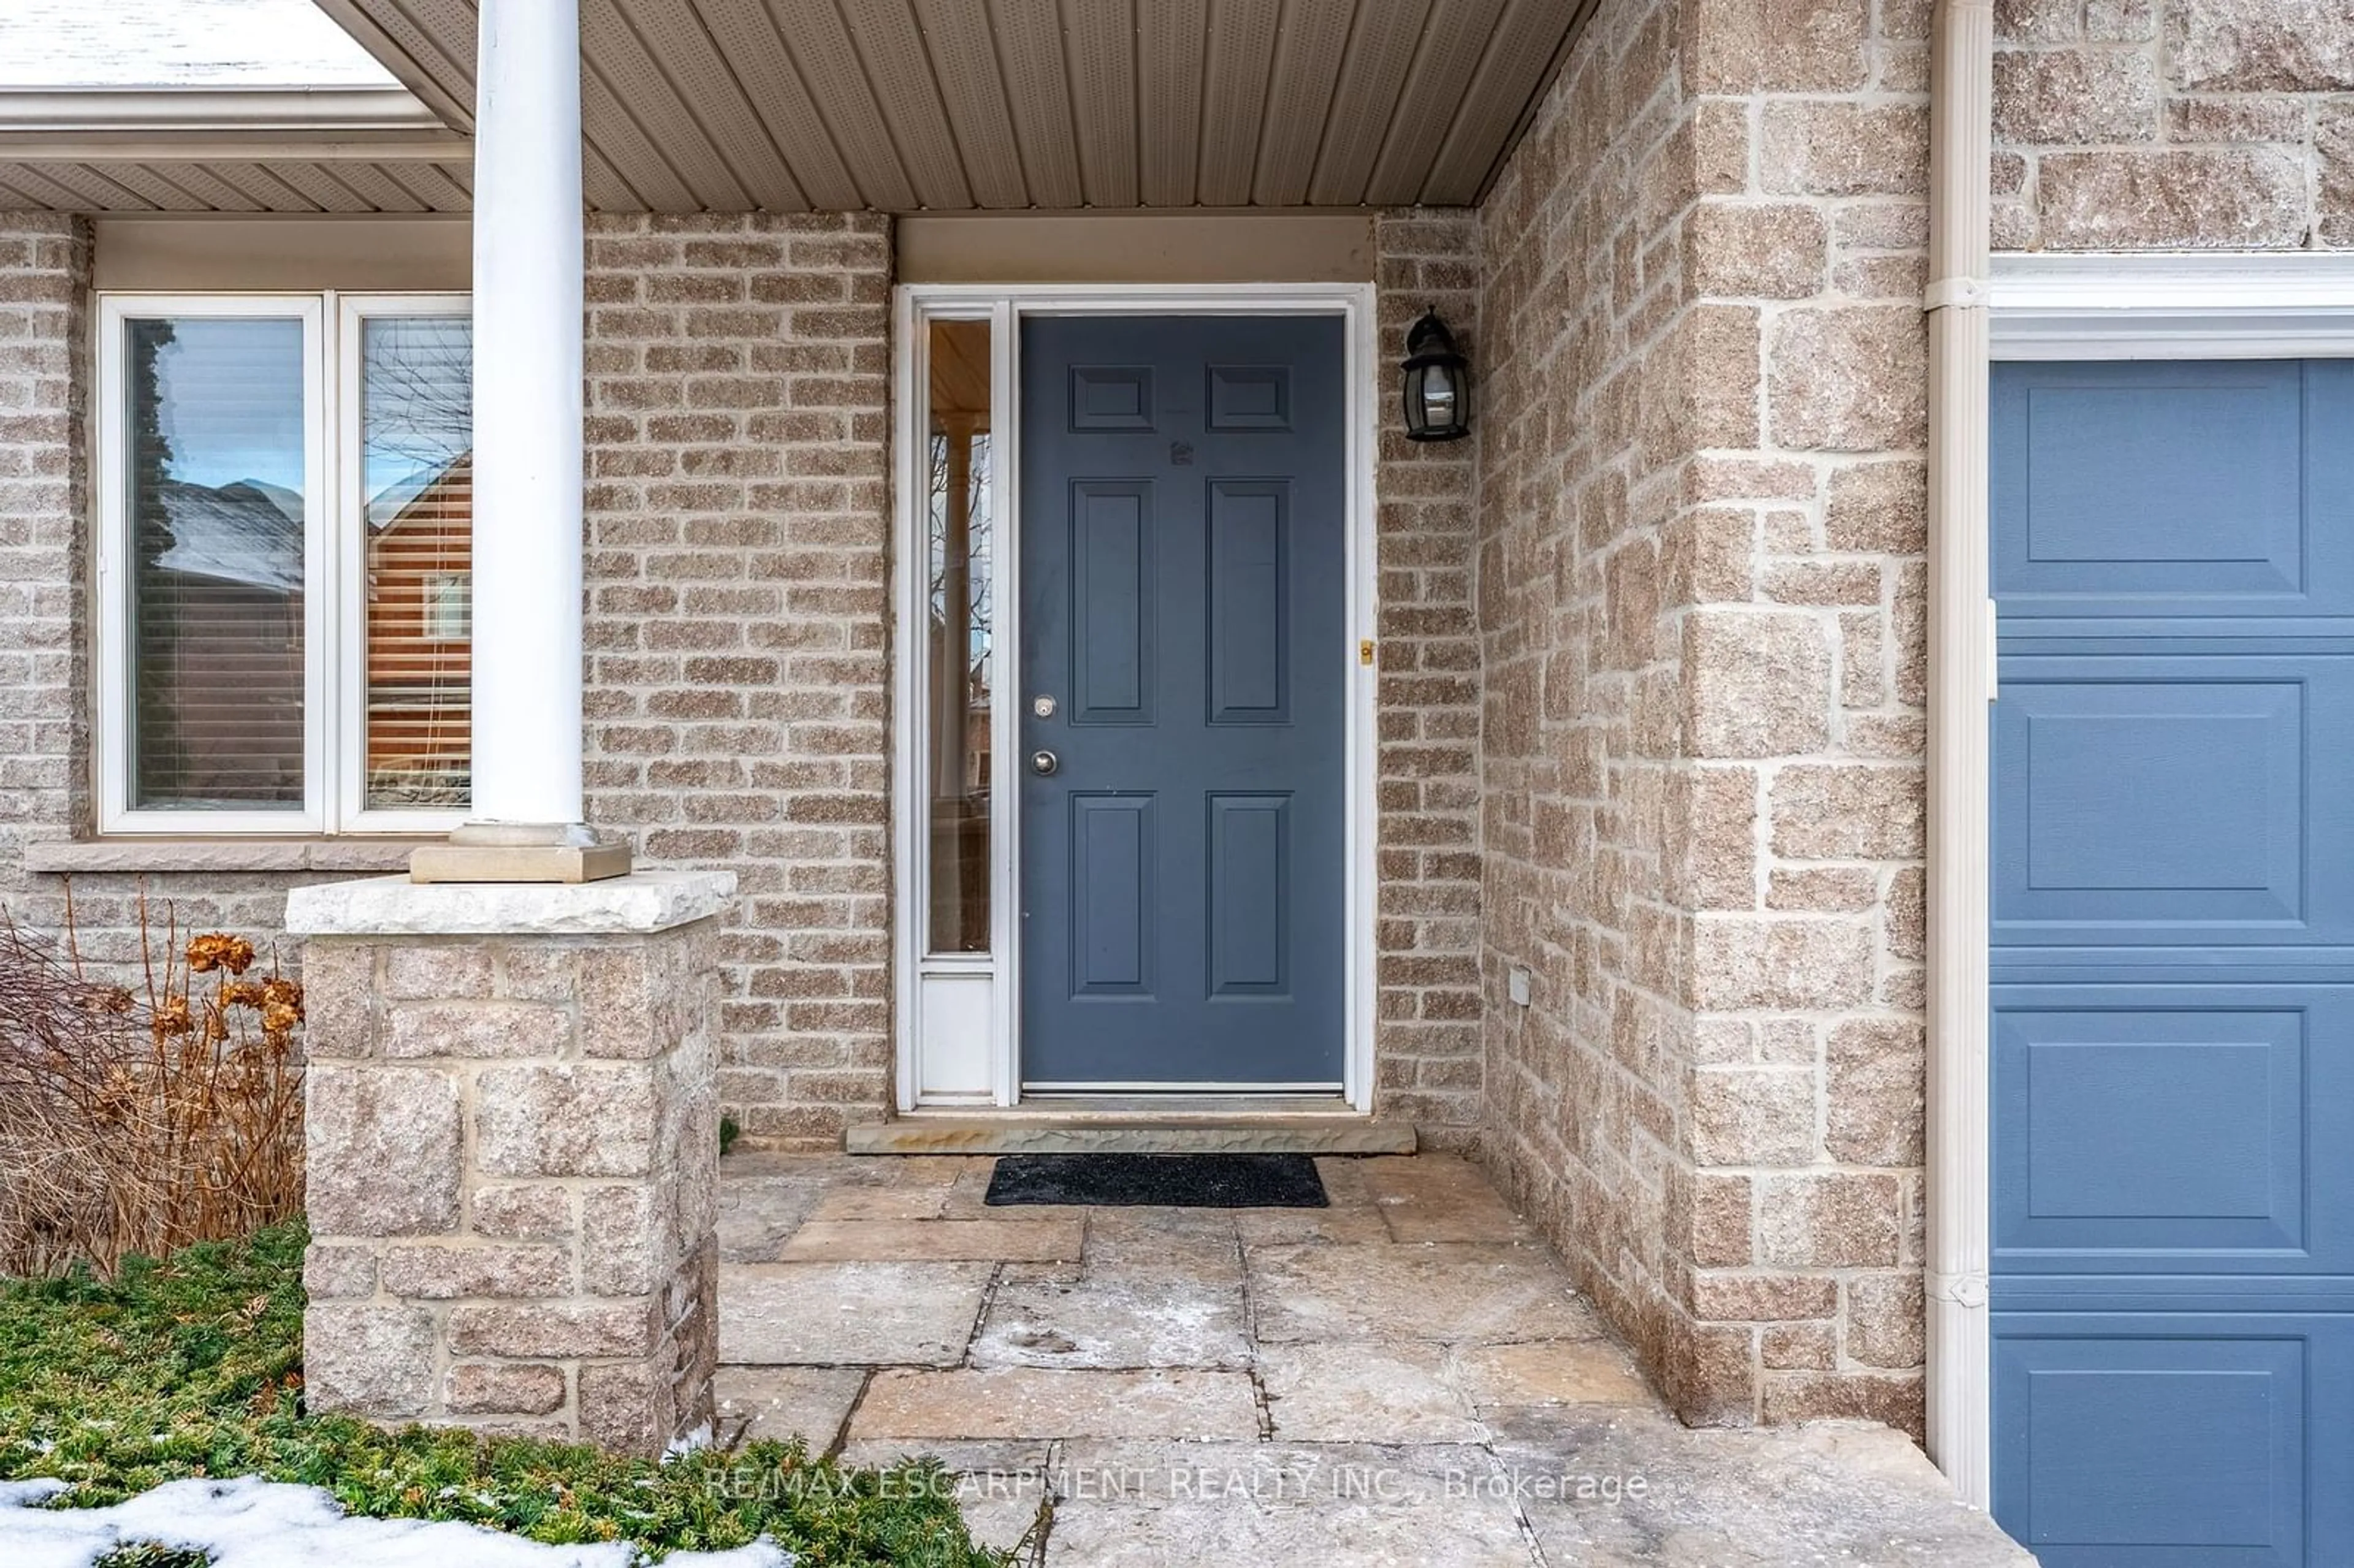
{"x":2085,"y":306}
{"x":430,"y":625}
{"x":977,"y":1061}
{"x":334,"y":620}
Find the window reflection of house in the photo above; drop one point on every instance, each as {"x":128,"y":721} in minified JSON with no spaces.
{"x":219,"y":677}
{"x":419,"y":668}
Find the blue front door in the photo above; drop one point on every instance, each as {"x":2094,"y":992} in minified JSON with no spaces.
{"x":1184,"y":660}
{"x":2173,"y":963}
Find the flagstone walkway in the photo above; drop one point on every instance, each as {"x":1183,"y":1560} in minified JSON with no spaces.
{"x":1405,"y":1378}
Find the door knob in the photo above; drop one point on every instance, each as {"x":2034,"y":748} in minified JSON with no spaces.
{"x":1043,"y":762}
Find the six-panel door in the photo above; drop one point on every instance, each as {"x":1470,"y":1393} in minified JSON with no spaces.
{"x":1183,"y":666}
{"x":2173,"y":963}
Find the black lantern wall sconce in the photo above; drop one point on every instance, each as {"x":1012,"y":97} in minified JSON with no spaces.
{"x":1438,"y":384}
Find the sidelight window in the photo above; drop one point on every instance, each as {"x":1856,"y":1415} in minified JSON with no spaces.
{"x":959,"y":661}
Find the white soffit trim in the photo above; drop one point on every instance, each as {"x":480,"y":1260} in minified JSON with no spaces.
{"x":173,"y":108}
{"x":2173,"y":305}
{"x":147,"y":124}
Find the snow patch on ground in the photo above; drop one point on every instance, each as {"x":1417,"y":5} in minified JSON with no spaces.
{"x":252,"y":1523}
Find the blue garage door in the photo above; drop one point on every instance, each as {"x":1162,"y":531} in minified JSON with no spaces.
{"x":2173,"y":999}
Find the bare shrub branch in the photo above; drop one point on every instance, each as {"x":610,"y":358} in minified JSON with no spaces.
{"x":137,"y":1124}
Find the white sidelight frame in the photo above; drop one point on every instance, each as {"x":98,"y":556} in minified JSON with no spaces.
{"x":352,"y":312}
{"x":956,"y":1017}
{"x":335,"y":619}
{"x":2082,"y":306}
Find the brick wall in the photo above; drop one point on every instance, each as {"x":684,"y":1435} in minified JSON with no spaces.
{"x":1701,"y":582}
{"x":2133,"y":124}
{"x":738,"y":684}
{"x":738,"y":530}
{"x":1587,"y":424}
{"x":1805,"y":726}
{"x":736,"y":533}
{"x":45,"y":675}
{"x":1700,"y":605}
{"x":1427,"y":1044}
{"x":512,"y":1176}
{"x":44,"y":487}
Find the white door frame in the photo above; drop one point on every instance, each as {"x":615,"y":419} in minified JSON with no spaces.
{"x":956,"y":1018}
{"x":2279,"y":305}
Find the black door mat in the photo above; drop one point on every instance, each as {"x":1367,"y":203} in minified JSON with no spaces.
{"x":1171,"y":1181}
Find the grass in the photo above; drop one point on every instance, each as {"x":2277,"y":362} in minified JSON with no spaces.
{"x":192,"y":1366}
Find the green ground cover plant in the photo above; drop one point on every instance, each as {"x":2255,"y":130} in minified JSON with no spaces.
{"x":192,"y":1367}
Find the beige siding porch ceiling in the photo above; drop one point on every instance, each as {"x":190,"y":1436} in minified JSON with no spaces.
{"x":229,"y":148}
{"x":953,"y":105}
{"x":110,"y":182}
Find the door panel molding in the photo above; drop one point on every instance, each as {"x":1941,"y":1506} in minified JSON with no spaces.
{"x":1180,"y":663}
{"x":956,"y":1016}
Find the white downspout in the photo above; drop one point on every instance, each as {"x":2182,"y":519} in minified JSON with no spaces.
{"x":1961,"y":685}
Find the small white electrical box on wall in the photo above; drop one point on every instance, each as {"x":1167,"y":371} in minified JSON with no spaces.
{"x":1516,"y":986}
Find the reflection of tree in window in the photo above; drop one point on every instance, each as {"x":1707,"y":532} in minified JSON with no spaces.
{"x":215,"y":470}
{"x":416,"y":438}
{"x":959,"y":612}
{"x":961,"y":576}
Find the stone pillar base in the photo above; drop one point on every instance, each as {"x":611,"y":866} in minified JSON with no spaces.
{"x":517,"y":852}
{"x":514,"y":1148}
{"x":509,"y":863}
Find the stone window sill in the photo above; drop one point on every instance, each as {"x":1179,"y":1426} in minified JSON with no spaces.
{"x":70,"y":857}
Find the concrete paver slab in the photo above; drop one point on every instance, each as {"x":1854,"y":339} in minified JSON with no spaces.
{"x":1615,"y":1489}
{"x":1350,"y":1393}
{"x":1424,"y":1200}
{"x":1459,"y":1292}
{"x":997,"y":1403}
{"x":1550,"y":1371}
{"x":999,"y":1486}
{"x":849,"y":1314}
{"x":881,"y":1240}
{"x":1356,"y":1225}
{"x":1403,"y":1378}
{"x":774,"y":1404}
{"x":1200,"y":1239}
{"x":898,"y":1201}
{"x":1144,"y":1505}
{"x":1117,"y":1316}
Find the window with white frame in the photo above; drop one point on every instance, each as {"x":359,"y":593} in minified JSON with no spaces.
{"x":449,"y":607}
{"x":285,"y":527}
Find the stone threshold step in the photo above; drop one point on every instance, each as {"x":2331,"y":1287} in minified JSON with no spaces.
{"x":1093,"y":1132}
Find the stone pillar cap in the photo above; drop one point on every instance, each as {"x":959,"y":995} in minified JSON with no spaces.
{"x":641,"y":902}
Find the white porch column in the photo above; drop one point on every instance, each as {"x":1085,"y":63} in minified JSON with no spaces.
{"x":527,"y":817}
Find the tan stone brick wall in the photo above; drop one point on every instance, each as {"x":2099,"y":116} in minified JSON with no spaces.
{"x":2158,"y":124}
{"x":1585,"y":434}
{"x":1700,"y":589}
{"x":45,"y":673}
{"x":513,"y":1183}
{"x":1427,"y":1043}
{"x":43,"y":489}
{"x":738,"y":682}
{"x":1804,"y":691}
{"x":737,"y":533}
